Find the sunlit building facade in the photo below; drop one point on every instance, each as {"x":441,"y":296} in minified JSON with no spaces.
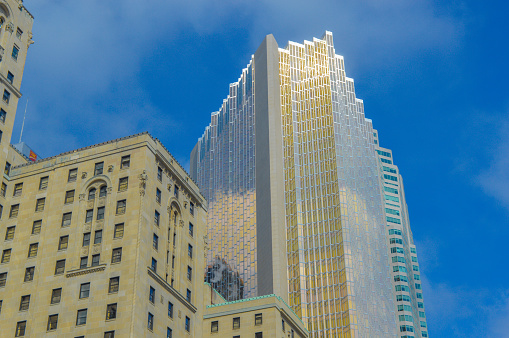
{"x":292,"y":177}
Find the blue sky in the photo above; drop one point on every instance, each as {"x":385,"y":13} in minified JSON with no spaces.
{"x":433,"y":77}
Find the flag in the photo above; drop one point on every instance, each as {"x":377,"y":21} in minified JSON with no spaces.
{"x":33,"y":156}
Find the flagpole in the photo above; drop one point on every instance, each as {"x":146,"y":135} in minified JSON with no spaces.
{"x":23,"y":124}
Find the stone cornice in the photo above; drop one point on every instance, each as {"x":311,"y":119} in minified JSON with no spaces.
{"x":171,"y":290}
{"x":9,"y":85}
{"x":86,"y":271}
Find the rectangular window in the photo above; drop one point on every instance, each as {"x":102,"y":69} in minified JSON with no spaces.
{"x":32,"y":250}
{"x":123,"y":183}
{"x":86,"y":239}
{"x":18,"y":188}
{"x":56,"y":295}
{"x":188,"y":324}
{"x":10,"y":77}
{"x":20,"y":328}
{"x":98,"y":237}
{"x":100,"y":213}
{"x":6,"y":256}
{"x":15,"y":52}
{"x":24,"y":304}
{"x":66,"y":219}
{"x":393,"y":220}
{"x":188,"y":295}
{"x":7,"y":96}
{"x":84,"y":290}
{"x":191,"y":208}
{"x":43,"y":183}
{"x":125,"y":162}
{"x":83,"y":262}
{"x":111,"y":311}
{"x":39,"y":205}
{"x":119,"y":230}
{"x":236,"y":323}
{"x":150,"y":324}
{"x":63,"y":243}
{"x":69,"y":197}
{"x":4,"y":189}
{"x":109,"y":334}
{"x":3,"y":115}
{"x":96,"y":259}
{"x":155,"y":241}
{"x":169,"y":332}
{"x":283,"y":324}
{"x":159,"y":174}
{"x":73,"y":175}
{"x":3,"y":279}
{"x":9,"y":234}
{"x":189,"y":272}
{"x":156,"y":218}
{"x":258,"y":319}
{"x":191,"y":229}
{"x":60,"y":267}
{"x":214,"y":326}
{"x":81,"y":318}
{"x":114,"y":284}
{"x":29,"y":274}
{"x":19,"y":33}
{"x":52,"y":322}
{"x":153,"y":265}
{"x":176,"y":191}
{"x":152,"y":295}
{"x":7,"y":169}
{"x":158,"y":196}
{"x":116,"y":257}
{"x":170,"y":309}
{"x":98,"y":170}
{"x":121,"y":205}
{"x":89,"y":216}
{"x":190,"y":251}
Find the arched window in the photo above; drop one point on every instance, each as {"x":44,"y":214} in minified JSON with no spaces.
{"x":175,"y":219}
{"x":102,"y":191}
{"x":91,"y":194}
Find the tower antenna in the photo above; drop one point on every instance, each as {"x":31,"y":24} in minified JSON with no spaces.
{"x":23,"y":124}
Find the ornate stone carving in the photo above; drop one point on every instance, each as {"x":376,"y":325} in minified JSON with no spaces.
{"x":162,"y":300}
{"x":169,"y":186}
{"x":84,"y":272}
{"x":84,"y":175}
{"x":82,"y":197}
{"x":110,"y":168}
{"x":181,"y":223}
{"x":143,"y":180}
{"x":10,"y":27}
{"x":87,"y":227}
{"x":109,"y":190}
{"x":84,"y":251}
{"x":97,"y":248}
{"x":99,"y":225}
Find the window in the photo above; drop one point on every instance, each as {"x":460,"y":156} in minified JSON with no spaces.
{"x":389,"y":170}
{"x":66,"y":219}
{"x":189,"y":272}
{"x":3,"y":279}
{"x":111,"y":311}
{"x":121,"y":207}
{"x":10,"y":77}
{"x":109,"y":334}
{"x":89,"y":216}
{"x":156,"y":218}
{"x":158,"y":196}
{"x":32,"y":250}
{"x":152,"y":295}
{"x":417,"y":277}
{"x":391,"y":190}
{"x":170,"y":309}
{"x":122,"y":184}
{"x":155,"y":241}
{"x":98,"y":236}
{"x":191,"y":208}
{"x":81,"y":318}
{"x":191,"y":227}
{"x":153,"y":265}
{"x":103,"y":191}
{"x":236,"y":323}
{"x":159,"y":173}
{"x":397,"y":250}
{"x":400,"y":278}
{"x":150,"y":324}
{"x":96,"y":259}
{"x":125,"y":162}
{"x":84,"y":290}
{"x":56,"y":295}
{"x":25,"y":303}
{"x":29,"y":274}
{"x":98,"y":170}
{"x":86,"y":239}
{"x":69,"y":197}
{"x":413,"y":250}
{"x":393,"y":220}
{"x":15,"y":52}
{"x":63,"y":242}
{"x":20,"y":328}
{"x":1,"y":210}
{"x":39,"y":205}
{"x":415,"y":268}
{"x":4,"y":189}
{"x":214,"y":326}
{"x":18,"y":188}
{"x":7,"y":169}
{"x":116,"y":257}
{"x":1,"y":306}
{"x":398,"y":259}
{"x":395,"y":241}
{"x":52,"y":322}
{"x":60,"y":267}
{"x":9,"y":234}
{"x":119,"y":231}
{"x":100,"y":213}
{"x":188,"y":324}
{"x":406,"y":328}
{"x":390,"y":177}
{"x":114,"y":285}
{"x":19,"y":33}
{"x":3,"y":115}
{"x":73,"y":175}
{"x":83,"y":262}
{"x":173,"y":262}
{"x":190,"y":250}
{"x":392,"y":211}
{"x":7,"y":96}
{"x":6,"y":256}
{"x":188,"y":295}
{"x":176,"y":191}
{"x":91,"y":194}
{"x":258,"y":319}
{"x":169,"y":333}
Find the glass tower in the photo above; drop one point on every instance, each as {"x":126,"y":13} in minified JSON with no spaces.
{"x":290,"y":170}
